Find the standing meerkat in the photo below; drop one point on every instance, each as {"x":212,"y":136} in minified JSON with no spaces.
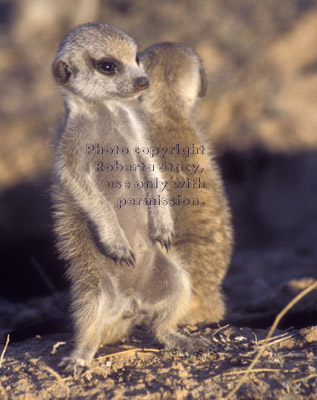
{"x":115,"y":266}
{"x":203,"y":233}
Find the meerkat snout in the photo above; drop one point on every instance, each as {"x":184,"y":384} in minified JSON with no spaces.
{"x":142,"y":82}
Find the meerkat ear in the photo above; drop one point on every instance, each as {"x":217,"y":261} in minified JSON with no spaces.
{"x":203,"y":83}
{"x":61,"y":71}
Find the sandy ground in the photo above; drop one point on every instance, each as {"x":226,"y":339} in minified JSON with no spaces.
{"x":136,"y":369}
{"x":139,"y":368}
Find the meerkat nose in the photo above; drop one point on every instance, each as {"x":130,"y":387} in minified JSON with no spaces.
{"x":142,"y":82}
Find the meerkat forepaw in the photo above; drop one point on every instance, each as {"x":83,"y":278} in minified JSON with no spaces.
{"x":166,"y":244}
{"x":121,"y":253}
{"x":130,"y":260}
{"x":162,"y":235}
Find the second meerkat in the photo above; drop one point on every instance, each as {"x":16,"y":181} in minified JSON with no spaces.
{"x":203,"y":232}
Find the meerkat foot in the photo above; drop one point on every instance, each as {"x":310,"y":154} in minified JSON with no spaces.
{"x":193,"y":345}
{"x":202,"y":345}
{"x":73,"y":365}
{"x":187,"y":344}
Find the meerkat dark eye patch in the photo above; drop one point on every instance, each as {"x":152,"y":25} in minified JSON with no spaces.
{"x":137,"y":59}
{"x":106,"y":66}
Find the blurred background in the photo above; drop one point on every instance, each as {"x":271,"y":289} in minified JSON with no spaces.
{"x":259,"y":114}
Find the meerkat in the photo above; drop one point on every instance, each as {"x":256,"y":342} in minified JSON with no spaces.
{"x":116,"y":267}
{"x":203,"y":232}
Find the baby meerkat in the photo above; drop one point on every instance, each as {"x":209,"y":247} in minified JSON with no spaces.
{"x":115,"y":266}
{"x":203,"y":231}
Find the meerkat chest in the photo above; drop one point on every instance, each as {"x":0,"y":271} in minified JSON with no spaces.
{"x":110,"y":154}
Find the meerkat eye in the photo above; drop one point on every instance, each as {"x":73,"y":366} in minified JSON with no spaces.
{"x":106,"y":67}
{"x":137,"y":59}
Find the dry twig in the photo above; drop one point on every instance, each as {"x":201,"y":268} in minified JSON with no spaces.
{"x":305,"y":378}
{"x":124,"y":352}
{"x":276,"y":339}
{"x":55,"y":347}
{"x":253,"y":371}
{"x":4,"y":350}
{"x":283,"y":336}
{"x":219,"y":329}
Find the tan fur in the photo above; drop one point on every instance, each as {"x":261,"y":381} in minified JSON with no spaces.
{"x":115,"y":266}
{"x":203,"y":234}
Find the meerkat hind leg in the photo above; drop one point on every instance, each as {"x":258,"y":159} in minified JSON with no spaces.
{"x":169,"y":311}
{"x":98,"y":322}
{"x":82,"y":356}
{"x":164,"y":330}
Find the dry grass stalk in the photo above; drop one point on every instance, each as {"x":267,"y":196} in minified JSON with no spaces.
{"x":220,"y":329}
{"x":269,"y":335}
{"x":305,"y":378}
{"x":254,"y":371}
{"x":272,"y":341}
{"x":124,"y":352}
{"x":276,"y":339}
{"x":5,"y":349}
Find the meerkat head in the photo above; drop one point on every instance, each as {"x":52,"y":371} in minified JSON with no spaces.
{"x":98,"y":62}
{"x":177,"y":77}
